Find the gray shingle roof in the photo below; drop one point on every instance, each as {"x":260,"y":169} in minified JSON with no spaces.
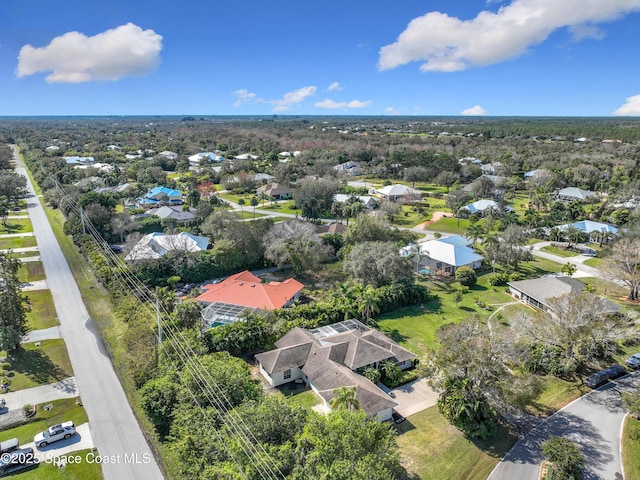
{"x":544,"y":288}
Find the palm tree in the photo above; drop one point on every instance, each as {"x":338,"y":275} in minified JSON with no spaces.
{"x":368,"y":302}
{"x":390,"y":370}
{"x":573,"y":234}
{"x":241,"y":202}
{"x":345,"y":399}
{"x":254,"y":203}
{"x":569,"y":268}
{"x":474,"y":232}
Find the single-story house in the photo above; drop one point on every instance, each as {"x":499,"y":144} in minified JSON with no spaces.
{"x":203,"y":157}
{"x":444,"y":256}
{"x":334,"y":228}
{"x":349,"y":168}
{"x":53,"y":148}
{"x":169,"y":155}
{"x":483,"y":206}
{"x":158,"y":244}
{"x":277,"y":191}
{"x":111,"y":148}
{"x":226,"y":300}
{"x":537,"y":292}
{"x":365,"y":200}
{"x":539,"y":172}
{"x":89,"y":181}
{"x":330,"y":357}
{"x":399,"y":193}
{"x":571,"y":194}
{"x":246,"y":156}
{"x":76,"y":160}
{"x":262,"y":177}
{"x":594,"y":230}
{"x":161,"y":196}
{"x":176,"y":213}
{"x":491,"y":168}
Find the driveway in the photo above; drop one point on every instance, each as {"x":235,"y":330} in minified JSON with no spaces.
{"x":593,"y":422}
{"x":42,"y":334}
{"x":80,"y":441}
{"x":413,"y":397}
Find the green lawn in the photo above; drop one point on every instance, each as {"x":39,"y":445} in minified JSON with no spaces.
{"x":32,"y":366}
{"x":593,"y":262}
{"x":71,"y":471}
{"x":302,"y":396}
{"x":556,"y":394}
{"x":22,"y":225}
{"x":560,"y":252}
{"x":286,"y":207}
{"x":631,"y":448}
{"x":31,"y":272}
{"x":248,"y":214}
{"x":63,"y":411}
{"x":43,"y":313}
{"x":456,"y":226}
{"x":17,"y":242}
{"x":433,"y":449}
{"x":408,"y":218}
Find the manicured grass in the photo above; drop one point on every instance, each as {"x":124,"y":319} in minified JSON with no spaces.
{"x":43,"y":313}
{"x":22,"y":225}
{"x":408,"y":218}
{"x":280,"y":219}
{"x":556,"y":394}
{"x":593,"y":262}
{"x":302,"y":396}
{"x":430,"y":448}
{"x":31,"y":272}
{"x":17,"y":242}
{"x":456,"y":226}
{"x":560,"y":252}
{"x":631,"y":448}
{"x":519,"y":202}
{"x":248,"y":214}
{"x":280,"y":207}
{"x":71,"y":471}
{"x":30,"y":253}
{"x":33,"y":366}
{"x":63,"y":411}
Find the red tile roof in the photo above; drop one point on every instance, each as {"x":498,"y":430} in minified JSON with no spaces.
{"x":246,"y":289}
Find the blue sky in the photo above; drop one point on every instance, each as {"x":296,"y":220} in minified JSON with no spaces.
{"x":232,"y":57}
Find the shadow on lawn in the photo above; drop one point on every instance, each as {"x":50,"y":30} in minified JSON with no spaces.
{"x":36,"y":365}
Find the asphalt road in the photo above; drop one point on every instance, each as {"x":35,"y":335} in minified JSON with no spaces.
{"x":114,"y":428}
{"x":593,"y":422}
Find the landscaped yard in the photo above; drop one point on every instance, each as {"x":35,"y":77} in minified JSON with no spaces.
{"x":631,"y":448}
{"x":22,"y":225}
{"x":71,"y":471}
{"x":62,"y":411}
{"x":33,"y":366}
{"x":408,"y":218}
{"x":433,"y":449}
{"x":286,"y":207}
{"x":31,"y":272}
{"x":593,"y":262}
{"x":556,"y":394}
{"x":456,"y":226}
{"x":560,"y":252}
{"x":43,"y":313}
{"x":299,"y":395}
{"x":17,"y":242}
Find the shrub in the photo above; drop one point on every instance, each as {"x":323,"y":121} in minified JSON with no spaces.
{"x":466,"y":276}
{"x":498,"y":279}
{"x":567,"y":461}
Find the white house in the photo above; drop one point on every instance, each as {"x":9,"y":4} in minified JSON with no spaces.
{"x":169,"y":155}
{"x":399,"y":193}
{"x":203,"y":157}
{"x":369,"y":202}
{"x":571,"y":194}
{"x":596,"y":231}
{"x":482,"y":206}
{"x":157,"y":244}
{"x":349,"y":168}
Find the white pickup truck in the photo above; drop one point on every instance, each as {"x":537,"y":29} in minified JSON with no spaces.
{"x":53,"y":434}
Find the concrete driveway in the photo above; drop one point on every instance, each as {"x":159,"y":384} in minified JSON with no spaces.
{"x":413,"y":397}
{"x":80,"y":441}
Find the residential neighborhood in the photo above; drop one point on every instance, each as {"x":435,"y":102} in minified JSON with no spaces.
{"x":394,"y":298}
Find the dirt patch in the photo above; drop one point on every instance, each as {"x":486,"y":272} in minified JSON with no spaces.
{"x":434,"y":218}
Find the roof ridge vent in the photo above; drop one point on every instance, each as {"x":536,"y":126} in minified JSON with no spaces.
{"x":241,"y":283}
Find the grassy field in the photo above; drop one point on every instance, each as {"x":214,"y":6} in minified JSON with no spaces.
{"x":286,"y":207}
{"x":63,"y":411}
{"x":31,"y":272}
{"x":17,"y":242}
{"x":631,"y":448}
{"x":33,"y":366}
{"x":408,"y":218}
{"x":43,"y":313}
{"x":556,"y":394}
{"x":455,"y":226}
{"x":593,"y":262}
{"x":433,"y":449}
{"x":248,"y":214}
{"x":71,"y":471}
{"x":22,"y":225}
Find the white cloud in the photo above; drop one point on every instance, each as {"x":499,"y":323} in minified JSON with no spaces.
{"x":391,"y":111}
{"x":631,"y":108}
{"x":243,"y":96}
{"x":476,"y":110}
{"x":334,"y":86}
{"x":584,"y":31}
{"x":328,"y":103}
{"x":291,"y":98}
{"x":449,"y":44}
{"x":123,"y":51}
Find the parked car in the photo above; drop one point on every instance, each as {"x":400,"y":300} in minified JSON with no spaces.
{"x":8,"y":445}
{"x":633,"y":361}
{"x":597,"y":379}
{"x":116,"y":248}
{"x":11,"y":461}
{"x":615,"y":371}
{"x":53,"y":434}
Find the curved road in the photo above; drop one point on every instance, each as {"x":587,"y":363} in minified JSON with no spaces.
{"x":114,"y":428}
{"x":593,"y":422}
